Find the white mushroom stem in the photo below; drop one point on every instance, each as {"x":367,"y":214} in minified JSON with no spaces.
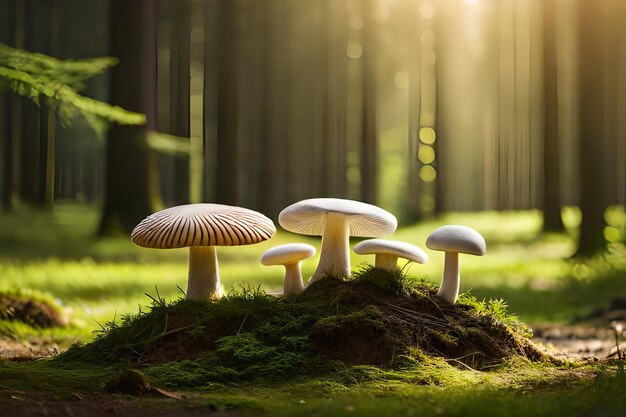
{"x":449,"y":290}
{"x":335,"y":252}
{"x":386,"y":261}
{"x":203,"y":282}
{"x":293,"y":279}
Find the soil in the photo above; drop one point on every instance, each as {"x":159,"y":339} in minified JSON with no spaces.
{"x":34,"y":348}
{"x":578,"y":340}
{"x":27,"y":404}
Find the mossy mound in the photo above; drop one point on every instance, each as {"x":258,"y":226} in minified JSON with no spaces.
{"x":33,"y":310}
{"x":379,"y":318}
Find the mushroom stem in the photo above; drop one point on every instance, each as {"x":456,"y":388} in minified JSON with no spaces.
{"x":386,"y":261}
{"x":203,"y":282}
{"x":293,"y":279}
{"x":335,"y":252}
{"x":449,"y":290}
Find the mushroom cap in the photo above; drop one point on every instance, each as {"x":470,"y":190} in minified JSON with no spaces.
{"x":307,"y":217}
{"x":400,"y":249}
{"x":202,"y":225}
{"x":287,"y":254}
{"x":453,"y":238}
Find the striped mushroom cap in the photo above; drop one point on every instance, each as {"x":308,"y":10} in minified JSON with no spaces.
{"x":202,"y":225}
{"x":308,"y":217}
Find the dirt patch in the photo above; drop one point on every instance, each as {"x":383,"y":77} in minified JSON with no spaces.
{"x":27,"y":404}
{"x":34,"y":348}
{"x":582,"y":340}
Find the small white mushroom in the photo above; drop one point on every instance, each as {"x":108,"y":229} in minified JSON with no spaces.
{"x":453,"y":239}
{"x":202,"y":227}
{"x":291,"y":257}
{"x":388,"y":251}
{"x":336,"y":220}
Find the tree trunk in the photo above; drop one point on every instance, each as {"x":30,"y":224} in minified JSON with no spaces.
{"x":180,"y":92}
{"x":130,"y":179}
{"x":369,"y":132}
{"x":415,"y":105}
{"x":592,"y":128}
{"x":228,"y":105}
{"x":13,"y":113}
{"x":551,"y":157}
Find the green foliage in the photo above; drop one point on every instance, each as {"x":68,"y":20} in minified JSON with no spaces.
{"x":497,"y":308}
{"x":37,"y":76}
{"x":330,"y":328}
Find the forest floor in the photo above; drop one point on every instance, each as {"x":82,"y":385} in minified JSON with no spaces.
{"x":570,"y":304}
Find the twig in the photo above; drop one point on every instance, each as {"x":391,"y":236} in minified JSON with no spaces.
{"x":241,"y":326}
{"x":159,"y":336}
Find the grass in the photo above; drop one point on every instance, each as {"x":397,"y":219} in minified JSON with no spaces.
{"x":516,"y":389}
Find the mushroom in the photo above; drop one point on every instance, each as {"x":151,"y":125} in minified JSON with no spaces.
{"x":201,"y":227}
{"x":291,"y":257}
{"x":336,"y":220}
{"x":453,"y":239}
{"x":388,"y":251}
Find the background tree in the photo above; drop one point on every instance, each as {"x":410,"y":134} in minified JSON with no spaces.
{"x":130,"y":192}
{"x":592,"y":56}
{"x":228,"y":149}
{"x":369,"y":133}
{"x":552,"y":221}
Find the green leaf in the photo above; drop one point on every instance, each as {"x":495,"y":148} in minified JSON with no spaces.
{"x":66,"y":101}
{"x":169,"y":144}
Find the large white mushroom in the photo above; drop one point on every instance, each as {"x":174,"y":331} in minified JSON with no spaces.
{"x":290,"y":256}
{"x":388,"y":251}
{"x":336,"y":220}
{"x":453,"y":239}
{"x":202,"y":227}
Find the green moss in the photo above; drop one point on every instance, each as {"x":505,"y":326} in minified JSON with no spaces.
{"x":32,"y":308}
{"x":380,"y":319}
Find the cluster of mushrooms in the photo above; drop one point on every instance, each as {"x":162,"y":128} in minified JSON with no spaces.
{"x":202,"y":227}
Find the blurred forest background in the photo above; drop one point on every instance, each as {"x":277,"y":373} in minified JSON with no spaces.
{"x":419,"y":106}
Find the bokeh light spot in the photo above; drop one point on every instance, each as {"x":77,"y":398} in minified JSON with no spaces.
{"x":612,"y":234}
{"x":354,"y":50}
{"x":426,"y":154}
{"x":427,"y":10}
{"x":401,"y":80}
{"x":427,"y":203}
{"x":428,"y":173}
{"x":427,"y":135}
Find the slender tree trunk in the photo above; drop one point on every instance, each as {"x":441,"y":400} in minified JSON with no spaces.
{"x":180,"y":91}
{"x":50,"y":152}
{"x":13,"y":144}
{"x":130,"y":179}
{"x":47,"y":117}
{"x":369,"y":132}
{"x":415,"y":105}
{"x":592,"y":128}
{"x":228,"y":105}
{"x":551,"y":156}
{"x":209,"y":100}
